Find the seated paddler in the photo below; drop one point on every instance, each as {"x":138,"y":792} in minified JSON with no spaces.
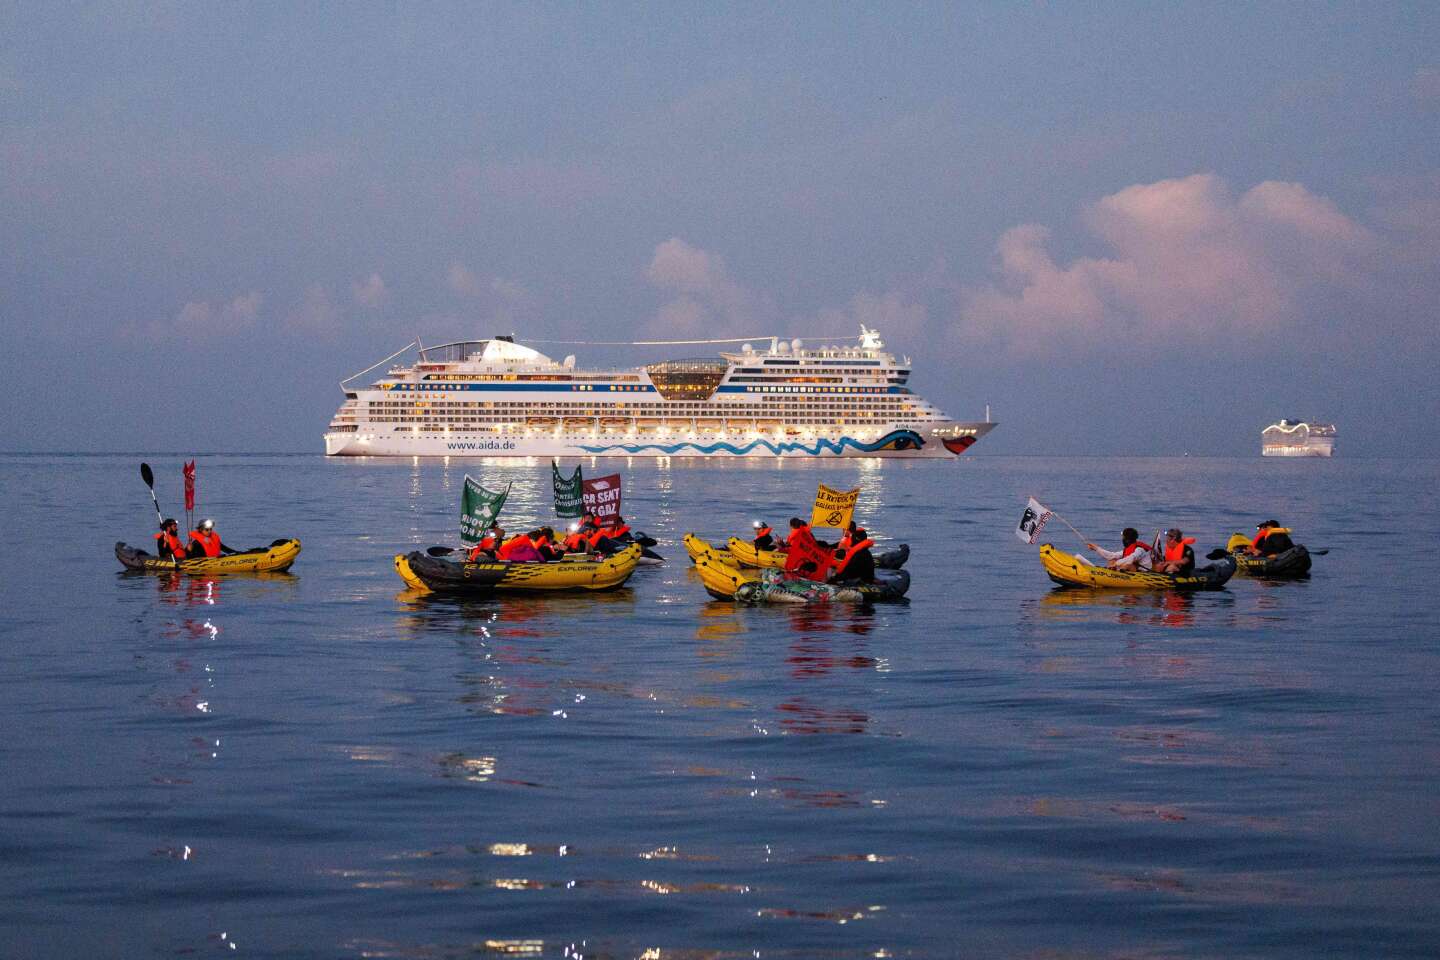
{"x":764,"y":536}
{"x":1270,"y":539}
{"x":575,"y":540}
{"x":167,"y":542}
{"x":805,"y":557}
{"x":205,"y":542}
{"x":1132,"y":555}
{"x":1178,"y":559}
{"x":488,"y":545}
{"x":855,"y":563}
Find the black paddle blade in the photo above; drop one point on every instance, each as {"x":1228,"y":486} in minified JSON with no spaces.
{"x":1216,"y":554}
{"x":440,"y":551}
{"x":147,"y":475}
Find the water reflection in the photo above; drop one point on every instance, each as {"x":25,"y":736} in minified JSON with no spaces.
{"x":1164,"y":608}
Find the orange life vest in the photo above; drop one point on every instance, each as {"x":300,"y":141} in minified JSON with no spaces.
{"x":1176,"y":553}
{"x":210,"y":543}
{"x":168,"y":541}
{"x":595,"y":538}
{"x":508,"y":547}
{"x":850,"y":552}
{"x":1265,"y":533}
{"x":620,"y":531}
{"x":1137,"y":545}
{"x":575,"y":543}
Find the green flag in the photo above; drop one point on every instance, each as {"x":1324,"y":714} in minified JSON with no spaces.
{"x":478,"y":509}
{"x":567,"y":492}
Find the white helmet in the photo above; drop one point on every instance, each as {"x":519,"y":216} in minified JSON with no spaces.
{"x":758,"y":524}
{"x":207,"y":524}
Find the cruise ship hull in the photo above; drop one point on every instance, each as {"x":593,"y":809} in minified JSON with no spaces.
{"x":900,"y":442}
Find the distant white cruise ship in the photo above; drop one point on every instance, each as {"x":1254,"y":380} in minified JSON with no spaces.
{"x":498,"y":398}
{"x":1291,"y":438}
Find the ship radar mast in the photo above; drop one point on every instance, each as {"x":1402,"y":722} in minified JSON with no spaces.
{"x":870,"y":339}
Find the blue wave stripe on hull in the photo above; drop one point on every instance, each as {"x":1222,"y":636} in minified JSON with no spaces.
{"x":891,"y":439}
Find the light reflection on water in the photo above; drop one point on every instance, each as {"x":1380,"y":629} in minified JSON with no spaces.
{"x":998,"y":767}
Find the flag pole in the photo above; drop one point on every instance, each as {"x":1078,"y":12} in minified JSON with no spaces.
{"x":1083,"y":539}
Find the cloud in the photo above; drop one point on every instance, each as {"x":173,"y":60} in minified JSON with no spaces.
{"x":201,"y":320}
{"x":1190,"y":263}
{"x":370,"y":292}
{"x":705,"y":301}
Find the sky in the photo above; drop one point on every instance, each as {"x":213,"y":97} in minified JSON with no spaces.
{"x":1133,"y":228}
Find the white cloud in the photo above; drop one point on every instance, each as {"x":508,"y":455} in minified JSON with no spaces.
{"x":370,"y":292}
{"x":705,"y":302}
{"x":202,"y":320}
{"x":1189,"y":264}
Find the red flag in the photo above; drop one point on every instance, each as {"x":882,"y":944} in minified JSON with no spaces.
{"x":190,"y":485}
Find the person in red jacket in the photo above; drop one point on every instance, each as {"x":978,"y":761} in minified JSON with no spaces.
{"x":167,"y":541}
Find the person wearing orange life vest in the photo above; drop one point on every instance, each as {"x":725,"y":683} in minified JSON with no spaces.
{"x":545,"y":544}
{"x":575,"y":541}
{"x":167,"y":541}
{"x":488,"y":545}
{"x":856,"y":562}
{"x":205,"y":542}
{"x":520,"y":549}
{"x":619,"y":530}
{"x":848,"y":539}
{"x":1132,"y":555}
{"x":764,"y":536}
{"x":1178,"y":559}
{"x":1270,"y":540}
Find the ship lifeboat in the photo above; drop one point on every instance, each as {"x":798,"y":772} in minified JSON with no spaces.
{"x":709,"y":424}
{"x":540,"y":421}
{"x":579,"y":423}
{"x":614,"y":424}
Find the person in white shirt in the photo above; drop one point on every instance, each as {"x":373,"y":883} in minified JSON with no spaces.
{"x":1132,"y":555}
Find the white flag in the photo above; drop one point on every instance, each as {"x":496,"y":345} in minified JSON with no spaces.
{"x":1032,"y":521}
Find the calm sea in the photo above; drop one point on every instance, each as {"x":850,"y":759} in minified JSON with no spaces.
{"x":317,"y":766}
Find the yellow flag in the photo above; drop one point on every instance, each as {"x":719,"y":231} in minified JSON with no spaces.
{"x":833,"y":508}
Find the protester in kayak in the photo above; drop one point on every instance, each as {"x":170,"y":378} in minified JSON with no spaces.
{"x":489,"y":543}
{"x":848,"y":539}
{"x":545,"y":544}
{"x":764,"y":536}
{"x":1132,"y":555}
{"x":1178,"y":559}
{"x":205,"y":542}
{"x":520,"y":549}
{"x":856,"y":563}
{"x":1270,"y":540}
{"x":167,"y":541}
{"x":575,"y":541}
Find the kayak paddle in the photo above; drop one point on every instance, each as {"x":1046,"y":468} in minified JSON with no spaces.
{"x":148,"y":476}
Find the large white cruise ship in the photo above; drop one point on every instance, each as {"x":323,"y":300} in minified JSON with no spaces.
{"x":1293,"y":438}
{"x":499,"y":398}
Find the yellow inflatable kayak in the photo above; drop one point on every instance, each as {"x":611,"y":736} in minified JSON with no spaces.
{"x":272,"y":559}
{"x":1068,"y":571}
{"x":698,"y":548}
{"x":436,"y":575}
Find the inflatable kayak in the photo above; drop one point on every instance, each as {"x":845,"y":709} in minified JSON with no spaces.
{"x":886,"y":558}
{"x":272,"y":559}
{"x":724,"y":582}
{"x":1068,"y":571}
{"x":1294,"y":562}
{"x":437,"y":575}
{"x":698,"y":548}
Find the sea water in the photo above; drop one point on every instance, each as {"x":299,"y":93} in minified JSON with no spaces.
{"x":319,"y":764}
